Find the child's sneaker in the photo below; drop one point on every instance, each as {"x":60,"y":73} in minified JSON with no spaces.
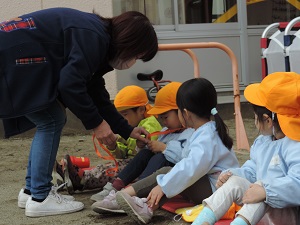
{"x":135,"y":207}
{"x":71,"y":176}
{"x":23,"y":197}
{"x":54,"y":204}
{"x":57,"y":174}
{"x":105,"y":192}
{"x":107,"y":205}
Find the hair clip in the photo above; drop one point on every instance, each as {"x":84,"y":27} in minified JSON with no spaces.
{"x":213,"y":111}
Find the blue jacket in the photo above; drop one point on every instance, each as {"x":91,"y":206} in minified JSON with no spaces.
{"x":51,"y":54}
{"x":277,"y":165}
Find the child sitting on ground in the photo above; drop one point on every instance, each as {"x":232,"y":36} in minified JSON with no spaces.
{"x":132,"y":103}
{"x":166,"y":151}
{"x":270,"y":180}
{"x":208,"y":152}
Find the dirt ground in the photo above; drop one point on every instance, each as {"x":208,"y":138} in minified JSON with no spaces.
{"x":14,"y":153}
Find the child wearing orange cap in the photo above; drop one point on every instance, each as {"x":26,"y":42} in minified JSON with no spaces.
{"x":208,"y":151}
{"x":132,"y":104}
{"x":269,"y":181}
{"x":166,"y":151}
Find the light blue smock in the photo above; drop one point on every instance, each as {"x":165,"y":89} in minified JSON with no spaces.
{"x":207,"y":155}
{"x":277,"y":165}
{"x":176,"y":142}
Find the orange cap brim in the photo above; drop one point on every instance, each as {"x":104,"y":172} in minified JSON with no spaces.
{"x":159,"y":110}
{"x":119,"y":109}
{"x":290,"y":126}
{"x":251,"y":93}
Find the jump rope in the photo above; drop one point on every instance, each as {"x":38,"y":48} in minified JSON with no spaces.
{"x":112,"y":171}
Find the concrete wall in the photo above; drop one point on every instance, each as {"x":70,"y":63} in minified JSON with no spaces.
{"x":72,"y":127}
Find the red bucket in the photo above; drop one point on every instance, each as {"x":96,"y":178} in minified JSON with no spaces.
{"x":81,"y":162}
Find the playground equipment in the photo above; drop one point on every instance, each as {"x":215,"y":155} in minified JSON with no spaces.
{"x":292,"y":45}
{"x":157,"y":82}
{"x":281,"y":50}
{"x":241,"y":137}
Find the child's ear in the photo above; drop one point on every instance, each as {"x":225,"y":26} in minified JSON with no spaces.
{"x":142,"y":109}
{"x":268,"y":119}
{"x":186,"y":113}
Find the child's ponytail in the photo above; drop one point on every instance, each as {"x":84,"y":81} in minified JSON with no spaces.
{"x":222,"y":129}
{"x":199,"y":96}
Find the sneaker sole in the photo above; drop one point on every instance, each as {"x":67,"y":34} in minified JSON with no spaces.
{"x":101,"y":210}
{"x":45,"y":213}
{"x":124,"y":204}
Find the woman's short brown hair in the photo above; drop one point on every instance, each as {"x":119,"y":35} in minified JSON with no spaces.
{"x":132,"y":36}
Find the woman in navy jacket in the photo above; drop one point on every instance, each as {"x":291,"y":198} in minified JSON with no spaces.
{"x":56,"y":58}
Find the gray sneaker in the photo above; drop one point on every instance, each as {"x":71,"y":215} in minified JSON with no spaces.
{"x":107,"y":205}
{"x":135,"y":207}
{"x":105,"y":192}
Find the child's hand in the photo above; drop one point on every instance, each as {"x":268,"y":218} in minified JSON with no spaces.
{"x":140,"y":133}
{"x":156,"y":146}
{"x":154,"y":196}
{"x":256,"y":193}
{"x":140,"y":144}
{"x":223,"y":178}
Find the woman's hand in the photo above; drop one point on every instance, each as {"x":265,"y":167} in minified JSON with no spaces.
{"x":223,"y":178}
{"x":137,"y":133}
{"x":154,"y":196}
{"x":104,"y":134}
{"x":156,"y":146}
{"x":256,"y":193}
{"x":112,"y":146}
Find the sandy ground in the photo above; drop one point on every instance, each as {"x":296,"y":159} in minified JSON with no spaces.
{"x":14,"y":153}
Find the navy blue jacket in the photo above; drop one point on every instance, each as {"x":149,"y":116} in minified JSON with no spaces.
{"x":51,"y":54}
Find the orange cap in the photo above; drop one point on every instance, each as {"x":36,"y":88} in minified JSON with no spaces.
{"x":130,"y":97}
{"x":280,"y":93}
{"x":165,"y":99}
